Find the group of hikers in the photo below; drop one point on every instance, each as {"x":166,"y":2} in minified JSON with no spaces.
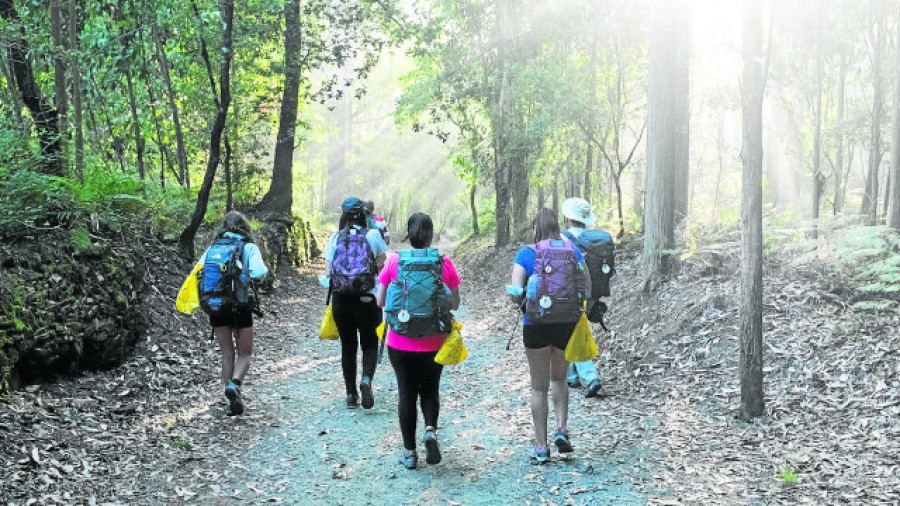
{"x":557,"y":280}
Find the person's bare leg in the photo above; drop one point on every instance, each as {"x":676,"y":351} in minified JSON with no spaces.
{"x":539,"y":367}
{"x":244,"y":352}
{"x":559,"y":389}
{"x":226,"y":344}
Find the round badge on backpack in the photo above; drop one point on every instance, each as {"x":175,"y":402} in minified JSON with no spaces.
{"x":548,"y":269}
{"x":546,"y":302}
{"x":403,"y":316}
{"x":605,"y":269}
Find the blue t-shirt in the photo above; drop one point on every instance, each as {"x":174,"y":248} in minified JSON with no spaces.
{"x":525,"y":258}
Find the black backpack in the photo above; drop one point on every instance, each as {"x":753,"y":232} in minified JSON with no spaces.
{"x":600,"y":256}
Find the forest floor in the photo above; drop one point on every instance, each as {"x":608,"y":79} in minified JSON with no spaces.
{"x":663,"y":431}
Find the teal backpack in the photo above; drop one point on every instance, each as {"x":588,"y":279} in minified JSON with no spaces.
{"x":418,"y":302}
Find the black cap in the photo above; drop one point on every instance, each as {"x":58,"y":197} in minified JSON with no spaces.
{"x":352,"y":204}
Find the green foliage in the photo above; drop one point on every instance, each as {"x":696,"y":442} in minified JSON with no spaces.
{"x":788,"y":475}
{"x":870,"y":259}
{"x":180,"y":444}
{"x":30,"y":200}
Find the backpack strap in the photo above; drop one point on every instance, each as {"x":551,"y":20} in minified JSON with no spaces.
{"x":570,"y":236}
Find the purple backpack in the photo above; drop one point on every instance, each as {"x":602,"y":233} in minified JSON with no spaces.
{"x":556,"y":291}
{"x":353,"y":268}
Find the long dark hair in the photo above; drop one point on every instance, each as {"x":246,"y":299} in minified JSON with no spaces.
{"x":546,"y":225}
{"x":355,"y":216}
{"x":420,"y":230}
{"x":236,"y":223}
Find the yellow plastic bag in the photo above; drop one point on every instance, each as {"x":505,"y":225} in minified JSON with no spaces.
{"x":328,"y":330}
{"x":188,"y":300}
{"x":581,"y":345}
{"x":380,"y":330}
{"x":453,"y":351}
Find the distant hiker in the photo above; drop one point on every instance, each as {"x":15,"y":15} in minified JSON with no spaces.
{"x":378,"y":223}
{"x":418,"y":289}
{"x":226,"y":294}
{"x":598,"y":249}
{"x":550,"y":280}
{"x":353,"y":257}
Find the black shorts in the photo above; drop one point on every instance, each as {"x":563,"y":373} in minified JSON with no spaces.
{"x":541,"y":335}
{"x":233,"y":319}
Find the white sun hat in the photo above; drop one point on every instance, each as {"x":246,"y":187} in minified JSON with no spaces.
{"x":577,"y":209}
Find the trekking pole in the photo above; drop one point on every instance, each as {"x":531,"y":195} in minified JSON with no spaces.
{"x":509,"y":342}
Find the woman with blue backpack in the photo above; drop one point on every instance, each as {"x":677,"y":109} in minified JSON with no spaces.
{"x":353,"y":256}
{"x":418,"y":288}
{"x":228,"y":267}
{"x":550,"y":283}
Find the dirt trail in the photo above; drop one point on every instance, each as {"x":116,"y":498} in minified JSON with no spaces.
{"x":153,"y":431}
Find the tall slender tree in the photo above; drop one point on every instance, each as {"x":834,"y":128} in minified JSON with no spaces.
{"x":46,"y":118}
{"x":279,"y":198}
{"x":869,"y":207}
{"x":752,"y":91}
{"x":222,"y":101}
{"x":893,"y":216}
{"x":667,"y":135}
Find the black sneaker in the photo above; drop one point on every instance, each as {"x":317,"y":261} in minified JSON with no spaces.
{"x":593,"y":389}
{"x":409,"y":459}
{"x":432,"y":450}
{"x":365,"y":387}
{"x":235,"y":403}
{"x":352,"y":401}
{"x":574,"y":384}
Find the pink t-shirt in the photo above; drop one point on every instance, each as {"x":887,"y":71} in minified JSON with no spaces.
{"x":424,"y":343}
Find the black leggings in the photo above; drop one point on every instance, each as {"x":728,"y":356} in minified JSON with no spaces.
{"x":418,"y":377}
{"x":353,"y":315}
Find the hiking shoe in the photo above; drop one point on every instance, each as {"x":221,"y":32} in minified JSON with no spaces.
{"x":562,"y":442}
{"x":574,"y":384}
{"x":432,"y":450}
{"x":593,"y":388}
{"x":365,"y":387}
{"x":235,"y":403}
{"x":409,"y":459}
{"x":352,"y":401}
{"x":539,"y":455}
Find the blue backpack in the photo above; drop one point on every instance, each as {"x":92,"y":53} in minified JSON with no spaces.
{"x":417,"y":302}
{"x":223,"y":283}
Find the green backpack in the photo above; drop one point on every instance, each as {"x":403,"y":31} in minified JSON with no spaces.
{"x":418,"y":302}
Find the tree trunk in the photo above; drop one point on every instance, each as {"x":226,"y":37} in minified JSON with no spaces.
{"x":679,"y":90}
{"x":839,"y":156}
{"x":229,"y":190}
{"x":555,"y":197}
{"x":46,"y":118}
{"x":893,"y":212}
{"x":76,"y":89}
{"x":223,"y":100}
{"x":666,"y":136}
{"x":502,"y":135}
{"x":474,"y":210}
{"x":588,"y":169}
{"x":14,"y":98}
{"x":59,"y":76}
{"x":869,"y":207}
{"x":279,"y":198}
{"x":752,"y":91}
{"x":181,"y":154}
{"x":817,"y":179}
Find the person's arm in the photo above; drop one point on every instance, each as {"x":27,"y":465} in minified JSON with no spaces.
{"x":255,"y":266}
{"x":519,"y":278}
{"x":454,"y":299}
{"x":381,"y":294}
